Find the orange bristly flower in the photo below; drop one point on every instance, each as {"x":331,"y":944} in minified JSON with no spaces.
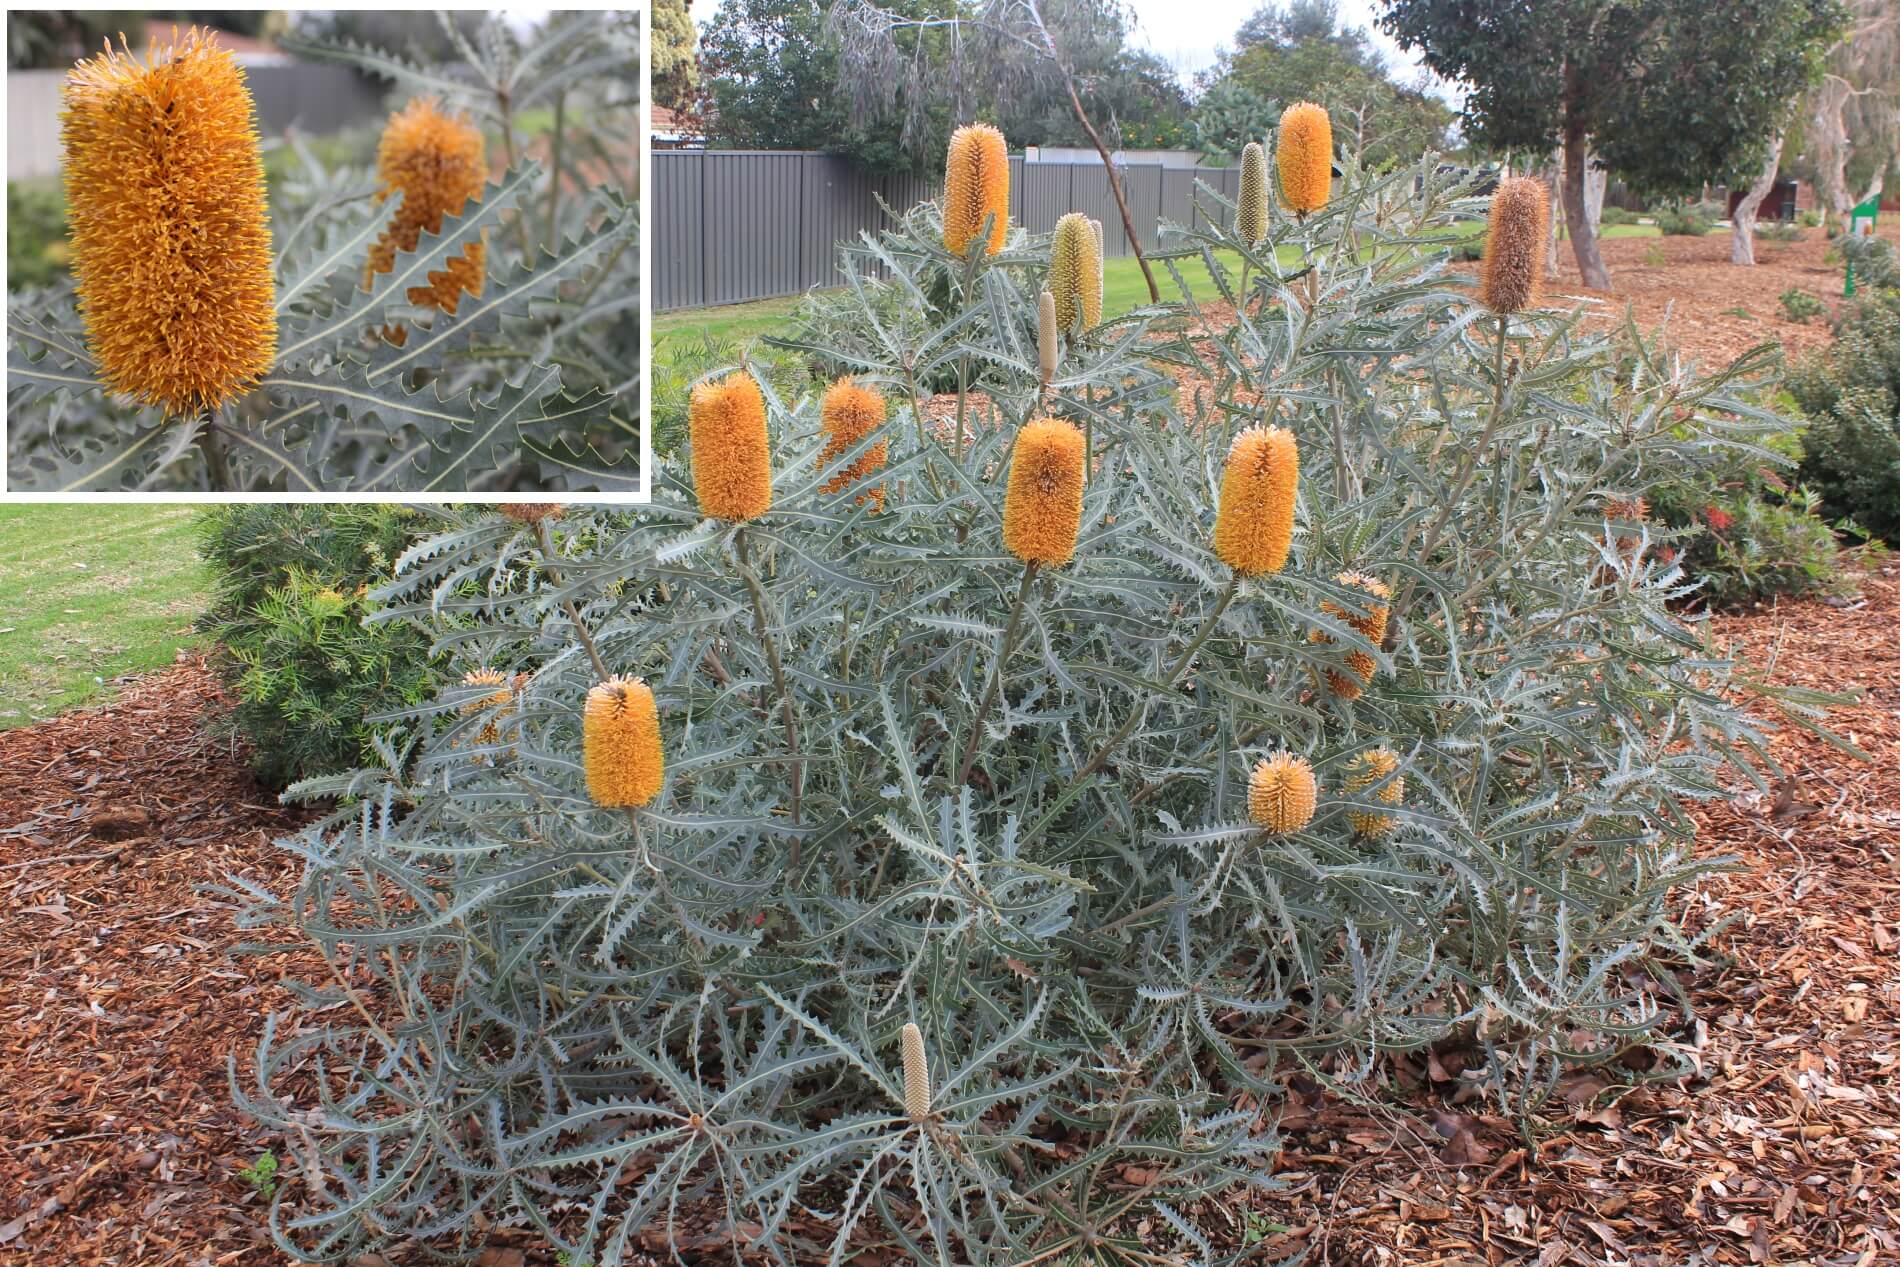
{"x":501,"y":700}
{"x":1253,"y":530}
{"x":851,"y":413}
{"x":170,"y":230}
{"x":732,"y":460}
{"x":975,"y":188}
{"x":1371,"y":766}
{"x":620,"y":744}
{"x":1042,"y":509}
{"x":1306,"y":157}
{"x":1282,"y":793}
{"x":1514,"y":244}
{"x":1372,"y":625}
{"x":435,"y":162}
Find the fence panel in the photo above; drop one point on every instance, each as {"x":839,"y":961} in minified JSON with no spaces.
{"x":731,"y":226}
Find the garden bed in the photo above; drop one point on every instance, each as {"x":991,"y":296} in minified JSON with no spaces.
{"x":122,"y":1003}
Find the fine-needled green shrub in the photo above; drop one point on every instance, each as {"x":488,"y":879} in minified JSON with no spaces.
{"x":1035,"y":782}
{"x":305,"y":672}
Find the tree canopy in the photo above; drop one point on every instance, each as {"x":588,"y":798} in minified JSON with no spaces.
{"x":675,"y":55}
{"x":1301,"y":51}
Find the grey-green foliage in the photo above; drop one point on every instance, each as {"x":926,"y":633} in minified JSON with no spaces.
{"x":533,"y":384}
{"x":591,"y":1019}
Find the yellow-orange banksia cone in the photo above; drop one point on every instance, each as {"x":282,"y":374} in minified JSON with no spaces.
{"x":1372,"y":625}
{"x":435,"y":162}
{"x":1253,"y":530}
{"x":1042,"y":510}
{"x":501,"y":699}
{"x":916,"y":1074}
{"x":1372,"y":765}
{"x":732,"y":460}
{"x":1075,"y":273}
{"x":851,"y":413}
{"x":975,"y":188}
{"x":1306,"y":157}
{"x":1282,"y":793}
{"x":1250,"y":215}
{"x":620,"y":744}
{"x":1514,"y":245}
{"x":170,"y":231}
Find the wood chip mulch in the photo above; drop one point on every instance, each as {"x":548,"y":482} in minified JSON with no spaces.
{"x":119,"y":1003}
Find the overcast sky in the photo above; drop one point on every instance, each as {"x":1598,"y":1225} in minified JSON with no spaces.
{"x":1187,"y":34}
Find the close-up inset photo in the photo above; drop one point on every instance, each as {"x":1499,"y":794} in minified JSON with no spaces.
{"x":326,"y":252}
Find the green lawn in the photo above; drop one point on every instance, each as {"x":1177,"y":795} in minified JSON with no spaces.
{"x":88,"y":593}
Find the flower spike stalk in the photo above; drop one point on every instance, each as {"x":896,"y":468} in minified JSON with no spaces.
{"x":975,"y":188}
{"x":1046,"y":355}
{"x":170,"y":231}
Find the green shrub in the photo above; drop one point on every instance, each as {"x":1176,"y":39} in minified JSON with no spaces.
{"x":913,"y":781}
{"x":683,"y":358}
{"x":1683,"y":222}
{"x":292,"y":586}
{"x":1781,"y":231}
{"x":1620,"y":215}
{"x":1799,"y":306}
{"x":1809,"y":219}
{"x":36,"y":235}
{"x":1850,"y":395}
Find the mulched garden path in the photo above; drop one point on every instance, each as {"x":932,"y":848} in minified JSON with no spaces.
{"x":120,"y":1003}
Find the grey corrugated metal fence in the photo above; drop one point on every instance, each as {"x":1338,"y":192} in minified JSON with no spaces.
{"x":736,"y":225}
{"x":316,"y":99}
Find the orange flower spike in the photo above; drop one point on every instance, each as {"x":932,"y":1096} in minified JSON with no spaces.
{"x":1367,"y":769}
{"x":1253,"y":531}
{"x":1282,"y":793}
{"x":435,"y":163}
{"x":975,"y":188}
{"x":170,"y":229}
{"x":1306,"y":157}
{"x":732,"y":460}
{"x":1042,"y":509}
{"x":1372,"y":625}
{"x":850,"y":413}
{"x":620,"y":744}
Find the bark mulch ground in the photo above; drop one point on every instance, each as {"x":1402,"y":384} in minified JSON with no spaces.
{"x":120,"y":1003}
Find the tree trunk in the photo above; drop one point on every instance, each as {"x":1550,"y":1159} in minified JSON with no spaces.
{"x":1596,"y":186}
{"x":1553,"y":176}
{"x":1743,"y":249}
{"x":1830,"y":145}
{"x":1591,"y":270}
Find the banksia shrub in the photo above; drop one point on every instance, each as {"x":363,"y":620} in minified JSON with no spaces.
{"x":1306,"y":157}
{"x":975,"y":188}
{"x":620,"y":744}
{"x":1514,"y":244}
{"x":1250,"y":214}
{"x":916,"y":1074}
{"x":1366,"y":770}
{"x":171,"y":245}
{"x":732,"y":465}
{"x":919,"y":774}
{"x":1253,"y":531}
{"x":1075,"y":274}
{"x":851,"y":413}
{"x":1042,"y":510}
{"x":1282,"y":793}
{"x":1371,"y":624}
{"x":434,"y":163}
